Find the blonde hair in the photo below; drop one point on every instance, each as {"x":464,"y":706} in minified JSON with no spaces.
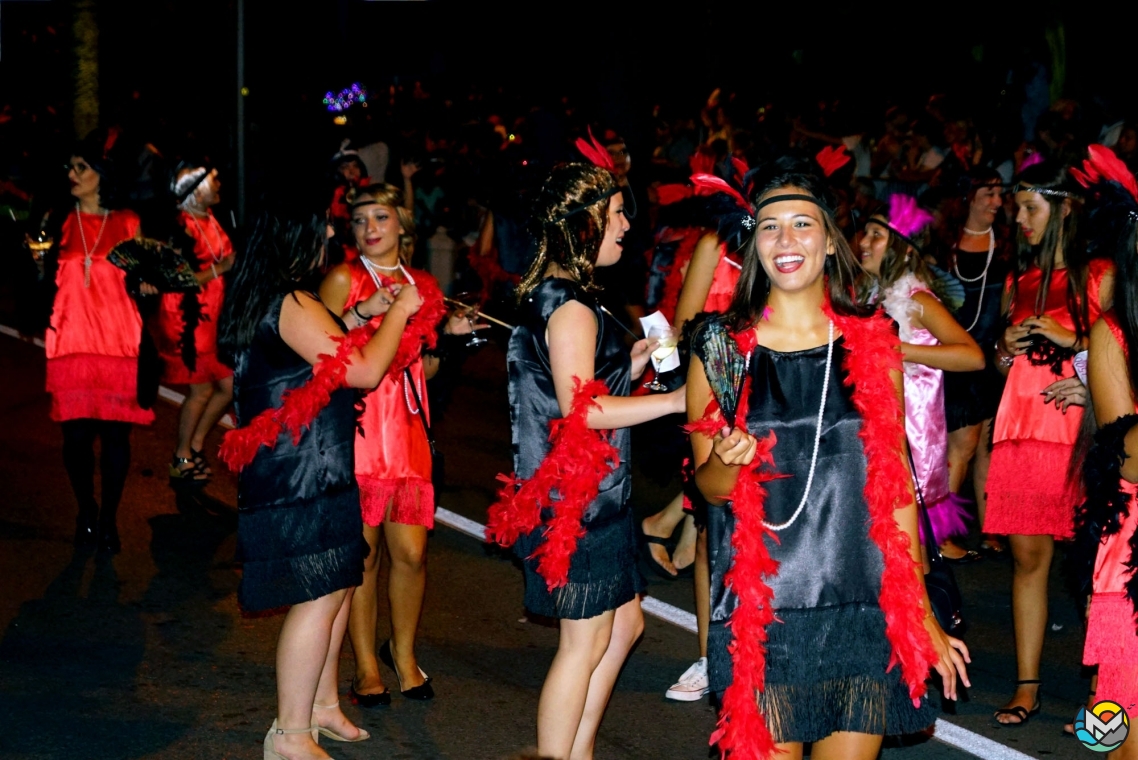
{"x":572,"y":215}
{"x":389,"y":195}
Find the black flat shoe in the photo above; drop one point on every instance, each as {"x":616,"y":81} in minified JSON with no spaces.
{"x":422,"y":692}
{"x":383,"y":699}
{"x":964,"y":559}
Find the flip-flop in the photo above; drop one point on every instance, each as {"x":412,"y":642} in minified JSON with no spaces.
{"x":645,"y":543}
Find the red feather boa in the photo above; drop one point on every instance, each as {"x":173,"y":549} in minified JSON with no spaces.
{"x":421,"y":331}
{"x":299,"y":406}
{"x":490,"y":272}
{"x":577,"y":462}
{"x":872,"y":347}
{"x":674,"y":282}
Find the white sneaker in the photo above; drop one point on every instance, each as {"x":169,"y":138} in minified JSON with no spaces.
{"x":693,"y":684}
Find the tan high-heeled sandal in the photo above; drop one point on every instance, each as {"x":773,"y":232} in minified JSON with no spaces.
{"x":332,"y":734}
{"x":270,"y":751}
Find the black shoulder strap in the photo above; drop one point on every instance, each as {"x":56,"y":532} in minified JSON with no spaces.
{"x":931,"y":547}
{"x":419,"y":403}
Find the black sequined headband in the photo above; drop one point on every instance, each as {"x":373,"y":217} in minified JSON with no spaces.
{"x":792,"y":197}
{"x":895,"y":231}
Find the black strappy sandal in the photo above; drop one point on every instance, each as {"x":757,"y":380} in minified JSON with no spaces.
{"x":201,"y":463}
{"x":192,"y":476}
{"x":1019,"y":711}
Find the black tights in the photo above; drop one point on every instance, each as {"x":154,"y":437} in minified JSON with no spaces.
{"x":114,"y":463}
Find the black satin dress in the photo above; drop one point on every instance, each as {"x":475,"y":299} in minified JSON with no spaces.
{"x":827,"y":653}
{"x":299,"y":529}
{"x":972,"y":397}
{"x":602,"y":573}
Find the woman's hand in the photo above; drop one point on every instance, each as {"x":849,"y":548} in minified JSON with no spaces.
{"x":225,"y":264}
{"x":1049,"y":328}
{"x":1066,"y":392}
{"x":735,"y":447}
{"x":641,"y":352}
{"x":1012,"y":337}
{"x":409,"y":169}
{"x":952,"y":653}
{"x":461,"y":322}
{"x":408,"y":299}
{"x":146,"y":289}
{"x":377,"y":303}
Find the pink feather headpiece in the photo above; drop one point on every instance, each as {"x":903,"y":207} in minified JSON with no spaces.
{"x":595,"y":152}
{"x":906,"y":217}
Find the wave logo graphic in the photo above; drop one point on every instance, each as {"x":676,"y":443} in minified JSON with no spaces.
{"x":1104,"y":727}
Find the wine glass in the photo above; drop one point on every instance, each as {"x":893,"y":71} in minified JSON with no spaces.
{"x":38,"y":245}
{"x":668,"y":338}
{"x":472,"y":300}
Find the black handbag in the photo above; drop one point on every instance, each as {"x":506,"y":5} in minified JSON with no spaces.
{"x":438,"y":465}
{"x":940,"y":581}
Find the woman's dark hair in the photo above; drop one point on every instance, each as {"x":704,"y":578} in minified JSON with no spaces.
{"x":96,"y":149}
{"x":841,"y":268}
{"x":1053,"y":183}
{"x":900,"y":258}
{"x":570,"y":215}
{"x":283,"y":255}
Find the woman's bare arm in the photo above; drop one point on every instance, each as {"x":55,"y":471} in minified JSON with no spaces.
{"x":1108,"y":378}
{"x":697,"y":281}
{"x":957,"y":352}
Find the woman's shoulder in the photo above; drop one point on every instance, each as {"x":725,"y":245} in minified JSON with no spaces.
{"x":551,"y":294}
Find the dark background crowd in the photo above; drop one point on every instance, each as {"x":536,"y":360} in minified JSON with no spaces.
{"x":487,"y":101}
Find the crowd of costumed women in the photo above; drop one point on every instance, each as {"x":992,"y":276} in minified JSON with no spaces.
{"x":832,"y":393}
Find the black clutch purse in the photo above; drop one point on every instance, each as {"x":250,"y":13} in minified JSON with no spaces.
{"x":940,"y":581}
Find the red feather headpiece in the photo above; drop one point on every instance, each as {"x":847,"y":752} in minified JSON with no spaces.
{"x":1103,"y":165}
{"x":831,"y":159}
{"x":595,"y":152}
{"x":709,"y":184}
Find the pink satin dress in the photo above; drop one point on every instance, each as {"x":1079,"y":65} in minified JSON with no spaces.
{"x":1112,"y":641}
{"x":925,"y":424}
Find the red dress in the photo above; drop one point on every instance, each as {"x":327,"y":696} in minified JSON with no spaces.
{"x":393,"y":458}
{"x":95,"y":330}
{"x":1112,"y":642}
{"x":211,"y":244}
{"x":723,"y":283}
{"x":1028,"y":490}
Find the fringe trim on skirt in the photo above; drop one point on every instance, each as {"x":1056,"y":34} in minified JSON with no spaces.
{"x":1028,"y":490}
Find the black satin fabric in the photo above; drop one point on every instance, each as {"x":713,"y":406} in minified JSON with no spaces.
{"x":533,"y":400}
{"x":300,"y":528}
{"x":602,"y":572}
{"x":826,"y":557}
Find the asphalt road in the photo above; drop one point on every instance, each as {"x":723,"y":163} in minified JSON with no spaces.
{"x":147,"y":655}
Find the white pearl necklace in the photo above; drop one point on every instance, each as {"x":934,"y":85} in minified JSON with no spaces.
{"x":982,"y":279}
{"x":371,"y":267}
{"x":817,"y":438}
{"x":978,"y":232}
{"x":89,"y":252}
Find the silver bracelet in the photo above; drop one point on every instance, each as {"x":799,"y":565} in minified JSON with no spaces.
{"x":1003,"y":358}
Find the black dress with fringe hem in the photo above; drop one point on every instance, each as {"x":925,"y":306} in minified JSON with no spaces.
{"x":827,"y":652}
{"x":603,"y":574}
{"x":299,"y":529}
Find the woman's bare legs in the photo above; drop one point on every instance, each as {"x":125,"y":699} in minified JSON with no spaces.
{"x":362,"y":621}
{"x":302,"y":658}
{"x":188,"y":418}
{"x":406,"y":587}
{"x":662,"y":525}
{"x":980,"y":478}
{"x":627,"y":626}
{"x":847,"y":745}
{"x":962,"y":447}
{"x":221,"y":394}
{"x":685,"y":552}
{"x":328,"y":690}
{"x":589,"y":656}
{"x":1032,"y":556}
{"x":702,"y":591}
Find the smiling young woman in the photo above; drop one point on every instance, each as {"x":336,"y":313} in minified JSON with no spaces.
{"x":802,"y":650}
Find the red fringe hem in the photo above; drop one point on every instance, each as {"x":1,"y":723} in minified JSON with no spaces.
{"x":1028,"y":492}
{"x":1112,"y":632}
{"x":412,"y":501}
{"x":92,"y":386}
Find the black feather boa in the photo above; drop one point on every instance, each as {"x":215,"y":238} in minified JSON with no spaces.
{"x":1106,"y":507}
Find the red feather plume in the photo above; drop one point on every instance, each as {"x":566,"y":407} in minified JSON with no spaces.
{"x":709,"y":184}
{"x":702,"y":162}
{"x":831,"y":159}
{"x":666,"y":195}
{"x":595,"y":152}
{"x":578,"y":460}
{"x":1104,"y":165}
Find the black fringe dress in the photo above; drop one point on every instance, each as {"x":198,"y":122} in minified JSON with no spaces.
{"x":602,"y":573}
{"x":827,"y":653}
{"x":299,"y":529}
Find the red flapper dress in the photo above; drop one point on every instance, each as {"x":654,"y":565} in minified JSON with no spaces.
{"x":1028,"y":489}
{"x":722,"y":283}
{"x":393,"y":457}
{"x":1112,"y":642}
{"x":95,"y":330}
{"x":211,"y":245}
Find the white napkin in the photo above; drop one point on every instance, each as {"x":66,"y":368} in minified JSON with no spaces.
{"x":1080,"y":363}
{"x":672,"y":360}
